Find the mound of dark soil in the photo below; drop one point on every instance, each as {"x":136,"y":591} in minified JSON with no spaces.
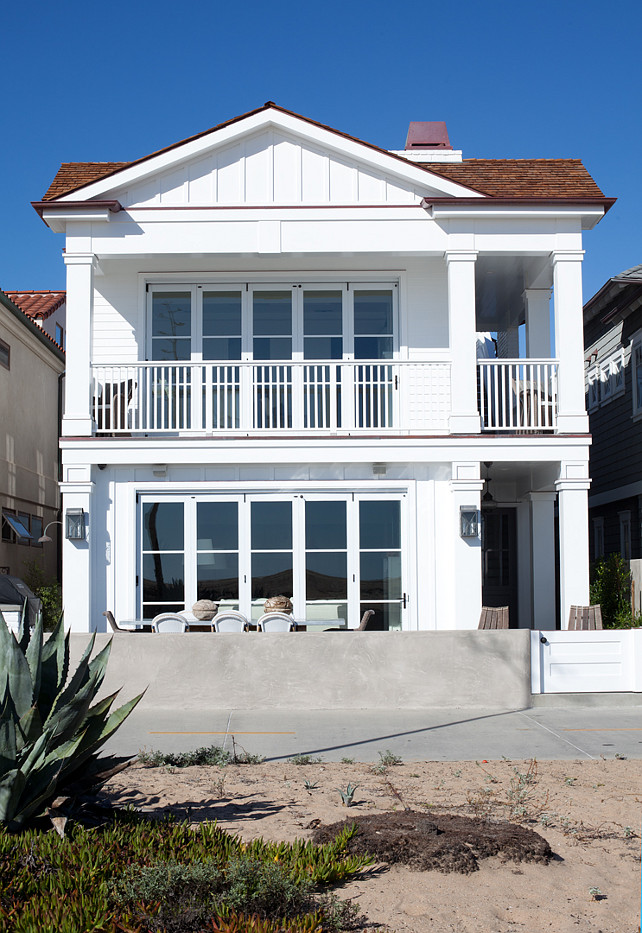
{"x":441,"y":841}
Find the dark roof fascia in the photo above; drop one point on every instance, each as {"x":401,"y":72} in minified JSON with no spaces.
{"x":38,"y":332}
{"x":626,"y":290}
{"x":270,"y":105}
{"x":515,"y":201}
{"x":40,"y":206}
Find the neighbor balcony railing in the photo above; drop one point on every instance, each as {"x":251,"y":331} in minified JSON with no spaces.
{"x":275,"y":396}
{"x":518,"y":395}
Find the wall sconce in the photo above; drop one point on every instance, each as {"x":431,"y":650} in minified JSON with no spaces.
{"x":75,"y":524}
{"x":469,"y":521}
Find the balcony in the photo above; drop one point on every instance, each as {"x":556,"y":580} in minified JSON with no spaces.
{"x":518,"y":396}
{"x":347,"y":397}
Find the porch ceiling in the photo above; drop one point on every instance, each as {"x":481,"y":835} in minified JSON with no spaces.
{"x":500,"y":282}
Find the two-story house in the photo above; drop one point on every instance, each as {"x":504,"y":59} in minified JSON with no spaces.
{"x":273,"y":383}
{"x":613,"y":347}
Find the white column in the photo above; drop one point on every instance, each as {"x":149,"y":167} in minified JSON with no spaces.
{"x":77,"y":418}
{"x":542,"y":520}
{"x":572,"y":491}
{"x":77,"y":492}
{"x":464,"y":417}
{"x":538,"y":323}
{"x":466,"y":486}
{"x":569,"y":341}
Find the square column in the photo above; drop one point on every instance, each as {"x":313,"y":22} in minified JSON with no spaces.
{"x":77,"y":419}
{"x":538,"y":324}
{"x":572,"y":492}
{"x":542,"y":520}
{"x":77,"y":493}
{"x":462,"y":327}
{"x":466,"y":486}
{"x":569,"y":341}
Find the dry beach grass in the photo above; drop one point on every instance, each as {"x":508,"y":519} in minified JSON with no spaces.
{"x":588,"y":811}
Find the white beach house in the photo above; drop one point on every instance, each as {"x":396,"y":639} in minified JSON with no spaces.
{"x":279,"y":378}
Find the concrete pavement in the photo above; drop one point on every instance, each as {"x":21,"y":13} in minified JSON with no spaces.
{"x":547,"y":733}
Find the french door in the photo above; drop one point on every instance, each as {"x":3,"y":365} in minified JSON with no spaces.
{"x":268,"y":352}
{"x":336,"y":555}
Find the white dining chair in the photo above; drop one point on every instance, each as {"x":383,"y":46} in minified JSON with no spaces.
{"x":169,"y":622}
{"x":276,"y":622}
{"x":230,"y":620}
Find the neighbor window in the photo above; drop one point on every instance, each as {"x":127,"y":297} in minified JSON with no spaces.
{"x":5,"y":354}
{"x":636,"y":359}
{"x":625,"y":535}
{"x":60,"y":336}
{"x":598,"y":538}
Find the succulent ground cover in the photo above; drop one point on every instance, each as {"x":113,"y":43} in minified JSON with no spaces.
{"x":137,"y":874}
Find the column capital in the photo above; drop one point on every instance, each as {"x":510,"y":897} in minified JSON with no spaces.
{"x":461,"y":255}
{"x":531,"y":294}
{"x":563,"y":485}
{"x":544,"y":496}
{"x":79,"y":259}
{"x":567,"y":255}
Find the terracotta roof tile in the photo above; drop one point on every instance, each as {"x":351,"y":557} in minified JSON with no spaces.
{"x":37,"y":304}
{"x":521,"y":178}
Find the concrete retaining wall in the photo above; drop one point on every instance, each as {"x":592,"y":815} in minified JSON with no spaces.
{"x":321,"y":670}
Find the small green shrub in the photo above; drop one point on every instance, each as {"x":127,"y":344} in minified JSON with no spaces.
{"x":48,"y":591}
{"x":206,"y":755}
{"x":302,"y":759}
{"x":611,"y":589}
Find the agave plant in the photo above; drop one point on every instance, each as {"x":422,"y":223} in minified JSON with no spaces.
{"x":49,"y":731}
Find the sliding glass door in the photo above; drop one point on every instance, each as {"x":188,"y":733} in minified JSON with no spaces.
{"x":335,"y":555}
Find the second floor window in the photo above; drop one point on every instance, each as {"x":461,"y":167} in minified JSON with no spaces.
{"x":273,"y":322}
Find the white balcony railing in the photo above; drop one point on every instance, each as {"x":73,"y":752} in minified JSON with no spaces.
{"x":210,"y":398}
{"x":518,"y":395}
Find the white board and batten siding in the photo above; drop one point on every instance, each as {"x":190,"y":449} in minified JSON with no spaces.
{"x":586,"y":662}
{"x":269,"y":168}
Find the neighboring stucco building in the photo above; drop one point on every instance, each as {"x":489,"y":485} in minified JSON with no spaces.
{"x":273,"y":382}
{"x":46,"y":308}
{"x":31,"y":365}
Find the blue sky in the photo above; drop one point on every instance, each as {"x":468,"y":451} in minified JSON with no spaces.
{"x":102,"y":82}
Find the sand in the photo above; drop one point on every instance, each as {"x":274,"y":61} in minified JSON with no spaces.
{"x":589,"y":811}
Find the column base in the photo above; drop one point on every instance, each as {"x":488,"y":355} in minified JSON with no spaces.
{"x":77,"y":427}
{"x":573,"y":424}
{"x":465,"y":424}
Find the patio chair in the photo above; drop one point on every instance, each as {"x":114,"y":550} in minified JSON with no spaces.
{"x":361,"y":627}
{"x":115,"y":627}
{"x":230,"y":621}
{"x":493,"y":617}
{"x":276,"y":622}
{"x":585,"y":618}
{"x":169,"y":622}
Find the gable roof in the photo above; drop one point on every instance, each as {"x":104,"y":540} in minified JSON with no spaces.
{"x":528,"y":178}
{"x":624,"y":291}
{"x":37,"y":304}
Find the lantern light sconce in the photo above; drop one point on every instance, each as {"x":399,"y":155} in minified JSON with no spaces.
{"x":469,"y":522}
{"x":75,"y":524}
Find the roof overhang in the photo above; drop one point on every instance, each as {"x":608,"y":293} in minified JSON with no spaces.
{"x":590,"y":210}
{"x":56,"y":214}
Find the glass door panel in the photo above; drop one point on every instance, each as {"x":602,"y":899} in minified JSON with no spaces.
{"x":217,"y":558}
{"x":272,"y":555}
{"x":380,"y":580}
{"x":326,"y":561}
{"x":222,"y":328}
{"x":322,"y":340}
{"x":373,"y":340}
{"x":171,"y":342}
{"x":163,"y":558}
{"x":272,"y":340}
